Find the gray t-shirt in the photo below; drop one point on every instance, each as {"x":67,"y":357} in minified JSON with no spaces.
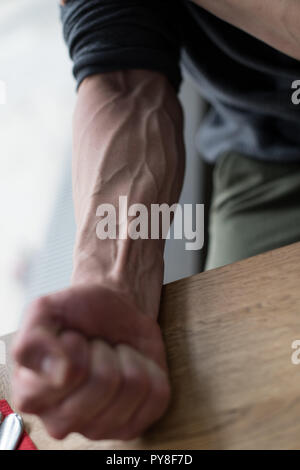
{"x":247,"y":83}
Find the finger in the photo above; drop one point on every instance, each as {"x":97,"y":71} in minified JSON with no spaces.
{"x":132,"y":393}
{"x":37,"y":346}
{"x":151,"y":410}
{"x":34,"y":392}
{"x":91,"y":398}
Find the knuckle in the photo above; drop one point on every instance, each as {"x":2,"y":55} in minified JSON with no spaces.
{"x":59,"y":427}
{"x":40,"y":305}
{"x":45,"y":310}
{"x":17,"y":349}
{"x":77,"y":372}
{"x":37,"y":311}
{"x":22,"y":349}
{"x":136,"y":378}
{"x":109,"y":378}
{"x":56,"y":432}
{"x":76,"y":350}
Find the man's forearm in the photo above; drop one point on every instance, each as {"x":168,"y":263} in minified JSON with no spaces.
{"x":127,"y":141}
{"x":275,"y":22}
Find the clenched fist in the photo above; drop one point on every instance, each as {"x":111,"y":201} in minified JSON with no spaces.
{"x":88,"y":361}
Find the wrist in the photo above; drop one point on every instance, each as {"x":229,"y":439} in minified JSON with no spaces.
{"x":135,"y":273}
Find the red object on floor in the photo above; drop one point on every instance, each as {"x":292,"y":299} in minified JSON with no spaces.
{"x":25,"y":442}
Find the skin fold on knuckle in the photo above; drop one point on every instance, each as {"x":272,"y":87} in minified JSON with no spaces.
{"x":76,"y":349}
{"x":108,"y":379}
{"x":105,"y":371}
{"x":134,"y":371}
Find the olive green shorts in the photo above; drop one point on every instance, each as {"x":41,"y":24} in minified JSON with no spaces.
{"x":255,"y":208}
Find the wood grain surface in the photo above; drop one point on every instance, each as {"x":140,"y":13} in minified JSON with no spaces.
{"x":228,"y":333}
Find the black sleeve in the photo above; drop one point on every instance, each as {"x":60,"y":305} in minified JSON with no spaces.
{"x":110,"y":35}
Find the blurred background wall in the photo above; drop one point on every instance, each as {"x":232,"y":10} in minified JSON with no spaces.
{"x":37,"y":224}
